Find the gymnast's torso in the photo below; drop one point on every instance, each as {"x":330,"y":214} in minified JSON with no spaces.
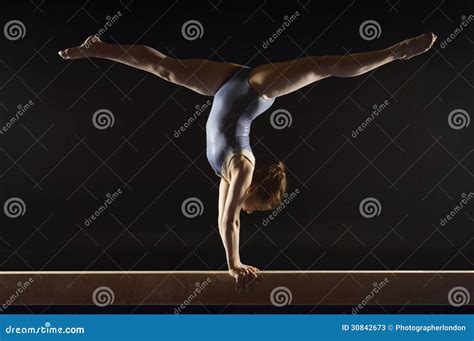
{"x":235,"y":106}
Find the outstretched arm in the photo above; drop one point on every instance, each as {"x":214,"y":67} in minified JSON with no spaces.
{"x":229,"y":220}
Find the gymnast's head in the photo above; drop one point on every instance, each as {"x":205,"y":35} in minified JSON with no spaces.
{"x":267,"y":189}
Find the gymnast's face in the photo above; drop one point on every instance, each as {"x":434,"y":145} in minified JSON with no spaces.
{"x":267,"y":188}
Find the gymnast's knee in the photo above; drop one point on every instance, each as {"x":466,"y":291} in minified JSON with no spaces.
{"x":163,"y":68}
{"x":262,"y":86}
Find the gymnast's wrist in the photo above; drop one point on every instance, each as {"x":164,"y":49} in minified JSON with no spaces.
{"x":234,"y":264}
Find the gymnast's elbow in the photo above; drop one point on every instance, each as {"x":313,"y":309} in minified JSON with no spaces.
{"x":230,"y":224}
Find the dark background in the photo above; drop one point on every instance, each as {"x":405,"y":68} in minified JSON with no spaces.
{"x":62,"y":167}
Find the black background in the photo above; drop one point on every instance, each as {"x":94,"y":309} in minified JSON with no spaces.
{"x":62,"y":167}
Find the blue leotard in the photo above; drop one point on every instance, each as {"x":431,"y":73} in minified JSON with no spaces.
{"x":235,"y":106}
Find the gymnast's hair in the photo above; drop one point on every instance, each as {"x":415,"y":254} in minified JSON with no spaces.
{"x":269,"y":184}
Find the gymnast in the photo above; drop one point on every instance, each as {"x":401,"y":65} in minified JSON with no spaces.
{"x":241,"y":94}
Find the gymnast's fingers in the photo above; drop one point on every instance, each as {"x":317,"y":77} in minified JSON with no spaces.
{"x":253,"y":270}
{"x":243,"y":282}
{"x":237,"y":282}
{"x":252,"y":274}
{"x":248,"y":282}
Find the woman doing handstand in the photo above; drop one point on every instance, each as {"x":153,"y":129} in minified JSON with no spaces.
{"x":240,"y":95}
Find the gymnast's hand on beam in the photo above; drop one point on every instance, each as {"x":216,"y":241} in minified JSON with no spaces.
{"x":244,"y":276}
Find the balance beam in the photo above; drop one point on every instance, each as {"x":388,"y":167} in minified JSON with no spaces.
{"x":218,"y":288}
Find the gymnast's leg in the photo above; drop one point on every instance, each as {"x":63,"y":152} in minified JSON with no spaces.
{"x":274,"y":80}
{"x":202,"y":76}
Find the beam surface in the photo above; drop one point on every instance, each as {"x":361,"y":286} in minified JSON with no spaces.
{"x":218,"y":288}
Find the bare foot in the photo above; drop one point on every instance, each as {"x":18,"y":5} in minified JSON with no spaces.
{"x":414,"y":46}
{"x":85,"y":50}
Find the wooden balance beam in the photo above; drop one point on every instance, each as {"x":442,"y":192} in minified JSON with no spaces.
{"x":348,"y":288}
